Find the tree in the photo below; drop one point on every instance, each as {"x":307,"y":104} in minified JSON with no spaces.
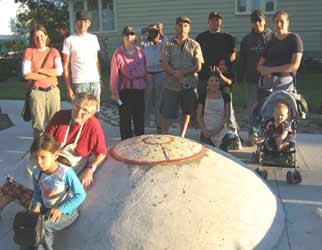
{"x":52,"y":14}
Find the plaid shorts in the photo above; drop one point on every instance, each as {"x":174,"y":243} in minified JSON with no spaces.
{"x":14,"y":191}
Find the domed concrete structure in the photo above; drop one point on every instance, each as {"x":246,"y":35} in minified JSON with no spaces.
{"x":166,"y":192}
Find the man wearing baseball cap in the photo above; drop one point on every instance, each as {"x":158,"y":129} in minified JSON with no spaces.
{"x":251,"y":48}
{"x":80,"y":59}
{"x":215,"y":45}
{"x":155,"y":74}
{"x":181,"y":58}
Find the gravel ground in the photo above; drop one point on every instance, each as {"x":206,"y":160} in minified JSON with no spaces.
{"x":311,"y":125}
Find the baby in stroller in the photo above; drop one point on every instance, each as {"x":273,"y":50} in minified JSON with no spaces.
{"x":275,"y":131}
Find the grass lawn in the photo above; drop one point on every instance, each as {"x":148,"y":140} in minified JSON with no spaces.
{"x":309,"y":85}
{"x":14,"y":89}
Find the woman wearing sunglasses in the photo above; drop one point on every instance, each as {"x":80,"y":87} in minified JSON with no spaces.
{"x":127,"y":83}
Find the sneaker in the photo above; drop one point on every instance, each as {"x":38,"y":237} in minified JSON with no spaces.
{"x":237,"y":145}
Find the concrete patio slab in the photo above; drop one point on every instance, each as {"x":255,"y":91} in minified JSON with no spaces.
{"x":303,"y":226}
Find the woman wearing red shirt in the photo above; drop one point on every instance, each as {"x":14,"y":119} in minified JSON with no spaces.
{"x":41,"y":65}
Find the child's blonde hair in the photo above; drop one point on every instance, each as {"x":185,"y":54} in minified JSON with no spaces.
{"x":280,"y":106}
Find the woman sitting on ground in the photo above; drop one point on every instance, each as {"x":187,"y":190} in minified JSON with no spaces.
{"x":213,"y":112}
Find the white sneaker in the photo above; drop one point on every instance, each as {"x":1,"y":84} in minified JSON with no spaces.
{"x":237,"y":145}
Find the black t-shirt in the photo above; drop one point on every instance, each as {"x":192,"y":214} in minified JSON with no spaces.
{"x":279,"y":52}
{"x":230,"y":75}
{"x":214,"y":46}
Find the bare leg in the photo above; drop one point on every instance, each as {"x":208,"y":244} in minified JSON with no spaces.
{"x":284,"y":145}
{"x":184,"y":125}
{"x":165,"y":125}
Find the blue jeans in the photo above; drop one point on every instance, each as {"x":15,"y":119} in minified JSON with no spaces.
{"x":92,"y":87}
{"x":65,"y":221}
{"x":152,"y":96}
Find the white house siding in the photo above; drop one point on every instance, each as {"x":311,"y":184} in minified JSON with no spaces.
{"x":140,"y":13}
{"x":305,"y":17}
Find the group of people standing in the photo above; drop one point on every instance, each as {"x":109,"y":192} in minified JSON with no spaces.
{"x":42,"y":65}
{"x":155,"y":75}
{"x":179,"y":70}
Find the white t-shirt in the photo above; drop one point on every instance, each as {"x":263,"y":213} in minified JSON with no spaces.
{"x":83,"y":53}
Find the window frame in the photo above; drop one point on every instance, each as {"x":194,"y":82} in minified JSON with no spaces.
{"x":249,"y":9}
{"x":100,"y":21}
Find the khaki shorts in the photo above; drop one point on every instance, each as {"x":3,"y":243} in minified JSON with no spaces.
{"x":171,"y":100}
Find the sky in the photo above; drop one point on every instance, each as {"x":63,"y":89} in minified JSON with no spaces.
{"x":8,"y":10}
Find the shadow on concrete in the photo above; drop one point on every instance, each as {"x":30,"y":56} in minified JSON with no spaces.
{"x":302,"y":223}
{"x":5,"y":121}
{"x":245,"y":157}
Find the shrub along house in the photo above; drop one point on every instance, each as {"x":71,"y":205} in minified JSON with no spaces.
{"x":110,"y":16}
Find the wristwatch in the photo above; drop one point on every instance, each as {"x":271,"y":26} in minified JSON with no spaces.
{"x":92,"y":168}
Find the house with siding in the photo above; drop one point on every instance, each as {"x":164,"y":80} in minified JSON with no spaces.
{"x":110,"y":16}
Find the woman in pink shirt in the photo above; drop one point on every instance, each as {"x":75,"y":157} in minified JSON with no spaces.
{"x":41,"y":65}
{"x":127,"y":83}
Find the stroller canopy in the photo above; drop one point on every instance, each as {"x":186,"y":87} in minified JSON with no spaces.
{"x":279,"y":96}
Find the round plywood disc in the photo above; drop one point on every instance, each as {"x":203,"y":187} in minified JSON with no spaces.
{"x":156,"y":149}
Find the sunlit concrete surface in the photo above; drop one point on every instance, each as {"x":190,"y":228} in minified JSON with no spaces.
{"x":302,"y":228}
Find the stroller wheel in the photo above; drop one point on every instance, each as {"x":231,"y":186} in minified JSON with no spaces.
{"x":297,"y":177}
{"x":289,"y":177}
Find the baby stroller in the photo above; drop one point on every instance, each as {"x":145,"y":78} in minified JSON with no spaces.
{"x":265,"y":155}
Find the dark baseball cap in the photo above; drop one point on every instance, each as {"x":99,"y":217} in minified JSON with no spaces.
{"x":83,"y":15}
{"x":215,"y":14}
{"x":183,"y":19}
{"x":257,"y":15}
{"x":128,"y":30}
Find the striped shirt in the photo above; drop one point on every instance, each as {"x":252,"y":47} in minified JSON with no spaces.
{"x":180,"y":57}
{"x":51,"y":187}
